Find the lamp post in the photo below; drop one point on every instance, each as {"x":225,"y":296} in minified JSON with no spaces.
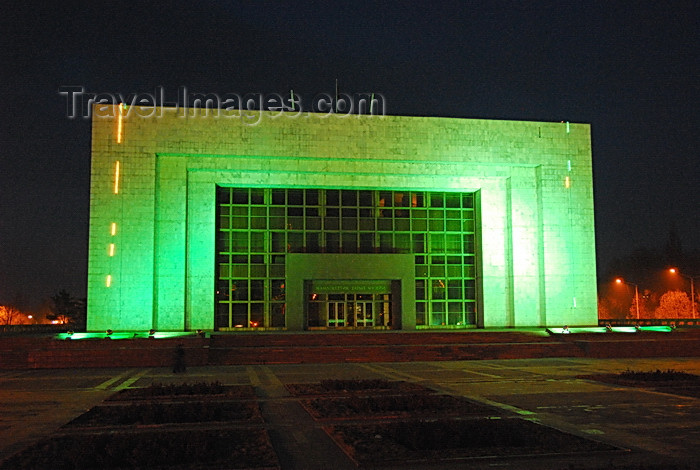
{"x":692,"y":288}
{"x":636,"y":293}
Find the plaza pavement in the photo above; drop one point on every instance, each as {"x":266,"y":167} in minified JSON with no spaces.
{"x":652,"y":427}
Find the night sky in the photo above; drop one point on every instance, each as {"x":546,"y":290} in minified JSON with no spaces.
{"x":630,"y":69}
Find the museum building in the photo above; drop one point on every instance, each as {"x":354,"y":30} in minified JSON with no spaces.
{"x":213,"y":220}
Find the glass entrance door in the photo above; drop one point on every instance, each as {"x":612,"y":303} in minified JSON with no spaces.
{"x":349,"y":310}
{"x":336,"y":314}
{"x":364,"y":315}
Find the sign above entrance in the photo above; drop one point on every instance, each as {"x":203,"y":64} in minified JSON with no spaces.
{"x":344,"y":286}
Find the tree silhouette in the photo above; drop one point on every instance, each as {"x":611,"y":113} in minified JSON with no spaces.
{"x":67,"y":309}
{"x":674,"y":248}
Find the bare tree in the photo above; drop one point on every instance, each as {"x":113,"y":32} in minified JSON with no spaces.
{"x":9,"y":315}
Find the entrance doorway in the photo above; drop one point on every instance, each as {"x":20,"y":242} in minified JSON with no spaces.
{"x":363,"y":314}
{"x":346,"y":310}
{"x":336,"y":314}
{"x":358,"y":314}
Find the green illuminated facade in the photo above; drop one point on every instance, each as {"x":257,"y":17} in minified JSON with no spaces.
{"x":298,"y":222}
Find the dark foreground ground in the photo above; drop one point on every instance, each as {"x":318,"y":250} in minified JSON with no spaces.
{"x":651,"y":429}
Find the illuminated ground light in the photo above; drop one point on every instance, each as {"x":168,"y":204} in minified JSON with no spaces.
{"x":610,"y":329}
{"x":117,"y":335}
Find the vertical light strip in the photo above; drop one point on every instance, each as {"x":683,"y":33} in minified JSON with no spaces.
{"x":108,"y":281}
{"x":567,"y":182}
{"x":120,"y":125}
{"x":111,"y":249}
{"x":113,"y":229}
{"x":116,"y":177}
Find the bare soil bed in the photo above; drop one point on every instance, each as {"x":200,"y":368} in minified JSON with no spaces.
{"x":184,"y":391}
{"x":454,"y":439}
{"x":151,"y":449}
{"x":394,"y":406}
{"x":162,"y":413}
{"x":198,"y":426}
{"x":669,"y":381}
{"x":357,"y":387}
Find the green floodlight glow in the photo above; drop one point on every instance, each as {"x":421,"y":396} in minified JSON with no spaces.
{"x":124,"y":335}
{"x":657,"y":329}
{"x":171,"y":334}
{"x":614,"y":329}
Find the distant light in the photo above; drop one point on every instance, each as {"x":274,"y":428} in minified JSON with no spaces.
{"x":116,"y":177}
{"x":113,"y":229}
{"x":111,"y":249}
{"x":618,"y":280}
{"x":567,"y":182}
{"x":673,"y":271}
{"x":108,"y":281}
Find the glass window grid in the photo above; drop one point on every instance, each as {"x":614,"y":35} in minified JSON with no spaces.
{"x":256,"y":227}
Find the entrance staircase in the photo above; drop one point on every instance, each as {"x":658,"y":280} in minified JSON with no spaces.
{"x":338,"y":347}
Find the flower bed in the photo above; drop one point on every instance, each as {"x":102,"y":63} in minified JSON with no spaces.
{"x":198,"y":426}
{"x":394,"y":406}
{"x":162,"y":413}
{"x":451,"y":439}
{"x":189,"y":449}
{"x":355,"y":386}
{"x":184,"y":391}
{"x":668,"y":381}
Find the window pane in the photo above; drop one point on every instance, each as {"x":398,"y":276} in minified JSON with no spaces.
{"x":349,"y":197}
{"x":240,"y":196}
{"x":312,"y":197}
{"x":240,"y":315}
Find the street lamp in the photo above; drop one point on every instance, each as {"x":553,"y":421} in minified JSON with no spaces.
{"x":636,"y":293}
{"x":692,"y":287}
